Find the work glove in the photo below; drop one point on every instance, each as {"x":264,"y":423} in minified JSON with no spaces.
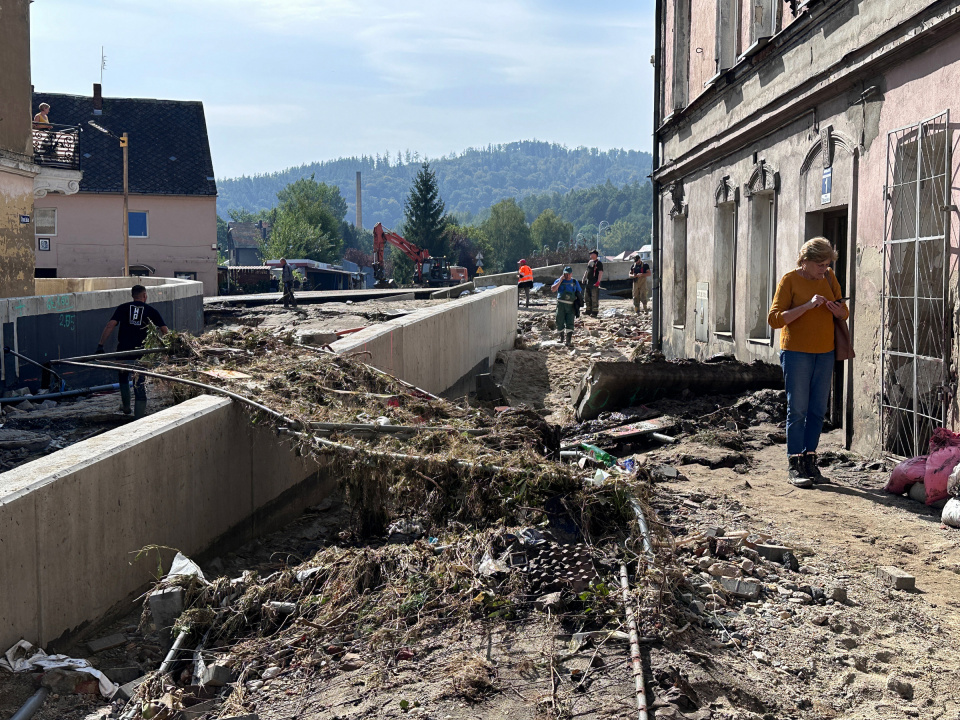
{"x":597,"y":284}
{"x":99,"y":350}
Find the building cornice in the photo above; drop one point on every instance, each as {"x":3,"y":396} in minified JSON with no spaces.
{"x":56,"y":180}
{"x":915,"y":35}
{"x":16,"y":164}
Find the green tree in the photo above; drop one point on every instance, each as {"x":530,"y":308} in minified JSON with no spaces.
{"x":624,"y":235}
{"x":549,"y":231}
{"x":509,"y":235}
{"x":423,"y":219}
{"x":222,"y":241}
{"x":307,"y":222}
{"x":294,"y":237}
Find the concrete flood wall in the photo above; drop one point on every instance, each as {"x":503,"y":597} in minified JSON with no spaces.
{"x":67,"y":315}
{"x":191,"y":476}
{"x":441,"y":349}
{"x":196,"y":476}
{"x":613,"y":272}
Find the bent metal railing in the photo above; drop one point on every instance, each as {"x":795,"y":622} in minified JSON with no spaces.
{"x":57,"y":146}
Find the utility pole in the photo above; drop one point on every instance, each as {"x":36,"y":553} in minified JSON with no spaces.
{"x":124,"y":142}
{"x":359,"y":211}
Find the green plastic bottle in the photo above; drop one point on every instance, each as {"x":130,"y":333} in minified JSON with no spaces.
{"x":599,"y":455}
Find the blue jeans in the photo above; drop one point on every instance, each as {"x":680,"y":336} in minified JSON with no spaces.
{"x":807,"y":378}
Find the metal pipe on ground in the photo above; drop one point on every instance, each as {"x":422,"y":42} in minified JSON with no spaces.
{"x":60,"y":395}
{"x":44,"y":367}
{"x":194,"y":383}
{"x":32,"y":705}
{"x":634,"y":644}
{"x":171,"y":657}
{"x":121,"y":355}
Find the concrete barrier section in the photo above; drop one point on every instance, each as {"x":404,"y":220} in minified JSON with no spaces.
{"x":441,"y":349}
{"x":612,"y":272}
{"x":67,"y":316}
{"x":188,"y":477}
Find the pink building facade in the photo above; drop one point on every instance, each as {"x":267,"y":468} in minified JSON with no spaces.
{"x":171,"y":187}
{"x":87,"y":237}
{"x":776,"y":123}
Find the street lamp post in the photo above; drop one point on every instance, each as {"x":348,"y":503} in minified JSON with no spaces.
{"x":124,"y":142}
{"x":599,"y":231}
{"x":580,"y":238}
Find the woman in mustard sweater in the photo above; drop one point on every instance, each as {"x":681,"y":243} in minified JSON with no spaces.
{"x":804,"y":306}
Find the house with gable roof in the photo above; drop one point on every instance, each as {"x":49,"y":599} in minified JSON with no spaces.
{"x":172,"y":210}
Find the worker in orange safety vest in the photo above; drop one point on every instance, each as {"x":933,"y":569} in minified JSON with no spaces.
{"x":524,"y":281}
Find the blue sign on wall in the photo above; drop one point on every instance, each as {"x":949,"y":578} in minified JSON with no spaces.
{"x":826,"y":186}
{"x":24,"y":219}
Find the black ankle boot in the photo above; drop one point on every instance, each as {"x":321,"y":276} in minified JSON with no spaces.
{"x":810,"y":468}
{"x":796,"y":473}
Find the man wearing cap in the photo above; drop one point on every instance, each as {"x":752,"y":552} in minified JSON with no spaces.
{"x":525,"y":281}
{"x":566,"y":289}
{"x":640,"y":274}
{"x":591,"y":284}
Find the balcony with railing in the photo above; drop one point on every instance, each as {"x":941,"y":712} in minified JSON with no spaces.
{"x":57,"y":146}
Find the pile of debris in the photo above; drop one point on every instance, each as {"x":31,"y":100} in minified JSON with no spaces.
{"x":460,"y":519}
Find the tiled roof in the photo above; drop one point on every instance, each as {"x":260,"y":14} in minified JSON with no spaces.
{"x":169,"y":151}
{"x":245,"y":234}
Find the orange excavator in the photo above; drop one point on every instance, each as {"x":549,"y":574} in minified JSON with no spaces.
{"x":436,"y":272}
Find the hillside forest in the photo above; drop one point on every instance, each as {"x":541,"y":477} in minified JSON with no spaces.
{"x":510,"y":210}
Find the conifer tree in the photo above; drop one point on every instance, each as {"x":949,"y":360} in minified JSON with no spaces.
{"x":423,"y":213}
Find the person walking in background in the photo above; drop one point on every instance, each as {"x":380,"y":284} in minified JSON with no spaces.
{"x":524,"y":281}
{"x":567,"y":290}
{"x":640,"y":274}
{"x":804,"y":307}
{"x":134,"y":319}
{"x":591,"y":284}
{"x":286,"y":276}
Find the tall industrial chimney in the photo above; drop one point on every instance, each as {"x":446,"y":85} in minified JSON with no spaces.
{"x":359,"y":211}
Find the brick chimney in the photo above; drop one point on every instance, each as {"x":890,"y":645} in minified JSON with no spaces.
{"x":97,"y":100}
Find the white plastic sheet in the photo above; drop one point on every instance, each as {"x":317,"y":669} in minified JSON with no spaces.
{"x":24,"y":657}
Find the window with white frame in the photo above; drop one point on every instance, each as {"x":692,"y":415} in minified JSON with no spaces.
{"x":764,"y":19}
{"x":183,"y":275}
{"x":137,"y":224}
{"x":728,"y":34}
{"x":45,"y":221}
{"x":763,"y":219}
{"x":679,"y":270}
{"x":725,"y":267}
{"x":681,"y":54}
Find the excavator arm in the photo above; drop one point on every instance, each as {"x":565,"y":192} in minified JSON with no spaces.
{"x":381,"y":237}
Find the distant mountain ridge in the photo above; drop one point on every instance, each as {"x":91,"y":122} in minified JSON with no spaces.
{"x":469,"y":182}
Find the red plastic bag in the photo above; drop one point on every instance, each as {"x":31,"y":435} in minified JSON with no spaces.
{"x":943,"y":438}
{"x":906,"y":474}
{"x":939,"y":466}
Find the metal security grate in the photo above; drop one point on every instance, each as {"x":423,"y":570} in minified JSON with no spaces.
{"x":915,"y":324}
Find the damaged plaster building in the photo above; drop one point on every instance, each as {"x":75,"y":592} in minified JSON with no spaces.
{"x":779,"y":121}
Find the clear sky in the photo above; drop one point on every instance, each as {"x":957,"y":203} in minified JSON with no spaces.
{"x":287,"y":82}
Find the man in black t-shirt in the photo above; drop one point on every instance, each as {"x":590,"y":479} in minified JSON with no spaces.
{"x":591,"y":284}
{"x":133,"y":318}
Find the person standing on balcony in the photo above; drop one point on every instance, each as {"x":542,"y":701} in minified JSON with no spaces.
{"x":41,"y":121}
{"x":591,"y":284}
{"x":134,"y":319}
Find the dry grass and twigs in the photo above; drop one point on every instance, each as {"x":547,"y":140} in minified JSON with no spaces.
{"x":467,"y":495}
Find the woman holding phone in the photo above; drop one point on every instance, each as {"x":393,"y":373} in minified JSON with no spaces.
{"x":804,"y":306}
